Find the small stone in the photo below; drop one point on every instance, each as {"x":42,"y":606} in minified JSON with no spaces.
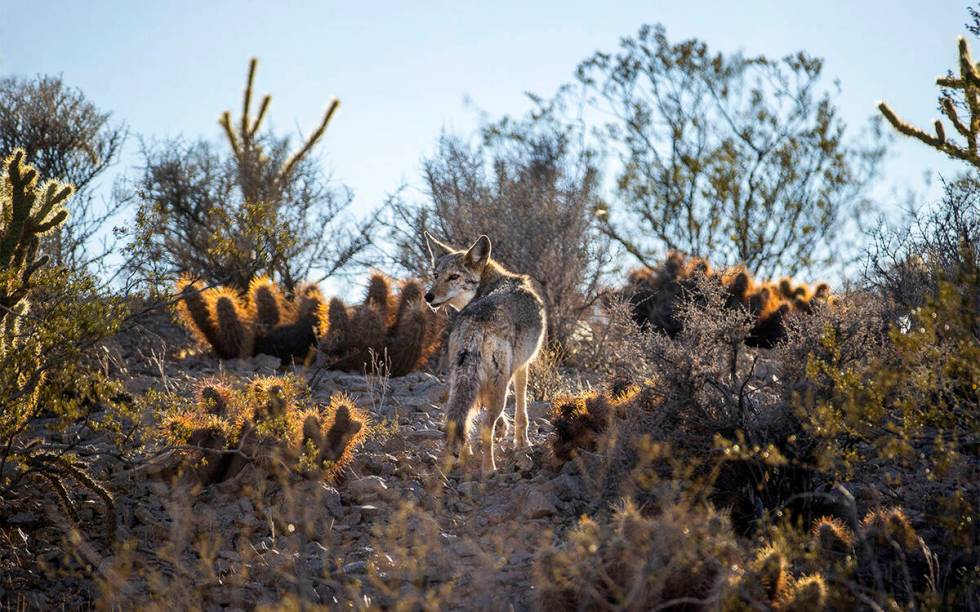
{"x":538,"y":505}
{"x":357,"y":567}
{"x":22,"y":518}
{"x":368,"y":488}
{"x":424,"y":435}
{"x":370,"y":511}
{"x":331,"y":499}
{"x":470,"y":489}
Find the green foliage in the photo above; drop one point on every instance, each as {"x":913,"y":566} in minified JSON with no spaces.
{"x":63,"y":135}
{"x":269,"y":423}
{"x":50,"y":320}
{"x":261,"y":209}
{"x":740,"y":159}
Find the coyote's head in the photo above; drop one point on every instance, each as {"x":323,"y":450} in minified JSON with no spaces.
{"x":455,"y":274}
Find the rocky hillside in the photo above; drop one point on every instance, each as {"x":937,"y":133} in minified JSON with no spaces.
{"x":395,"y":528}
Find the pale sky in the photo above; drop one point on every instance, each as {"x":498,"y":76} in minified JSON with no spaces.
{"x":403,"y":70}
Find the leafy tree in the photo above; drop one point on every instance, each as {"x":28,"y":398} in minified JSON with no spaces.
{"x":258,"y":208}
{"x":64,"y":135}
{"x":733,"y":158}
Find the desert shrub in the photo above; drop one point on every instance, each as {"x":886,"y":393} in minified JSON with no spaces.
{"x":739,"y":159}
{"x":258,"y":209}
{"x":51,"y":320}
{"x":262,"y":321}
{"x":64,"y":135}
{"x":940,"y":244}
{"x":656,"y":295}
{"x":534,"y":193}
{"x":268,"y":423}
{"x":397,"y":335}
{"x":679,"y":557}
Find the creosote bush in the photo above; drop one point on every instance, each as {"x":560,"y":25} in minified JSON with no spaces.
{"x":267,"y":423}
{"x":656,"y":296}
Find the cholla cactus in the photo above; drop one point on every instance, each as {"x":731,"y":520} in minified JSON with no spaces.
{"x":27,"y":213}
{"x":401,"y":332}
{"x":807,"y":594}
{"x":267,"y":423}
{"x":831,"y":539}
{"x":264,"y":322}
{"x":655,"y":296}
{"x":242,"y":139}
{"x":968,"y":83}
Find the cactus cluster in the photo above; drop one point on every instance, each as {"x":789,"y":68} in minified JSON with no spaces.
{"x":262,"y":321}
{"x":881,"y":558}
{"x":580,"y":421}
{"x":402,"y":332}
{"x":267,"y":424}
{"x":655,"y":296}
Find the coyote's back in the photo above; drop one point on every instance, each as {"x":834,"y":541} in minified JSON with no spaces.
{"x":496,"y":336}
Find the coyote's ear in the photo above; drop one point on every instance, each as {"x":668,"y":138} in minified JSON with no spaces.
{"x":436,"y":249}
{"x":478,"y":254}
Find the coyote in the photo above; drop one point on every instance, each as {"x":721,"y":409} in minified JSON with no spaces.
{"x":496,"y":336}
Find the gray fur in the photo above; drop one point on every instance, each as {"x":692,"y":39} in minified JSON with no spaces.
{"x":497,"y":334}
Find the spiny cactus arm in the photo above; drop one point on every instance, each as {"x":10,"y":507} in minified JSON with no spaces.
{"x":290,"y":165}
{"x":247,"y":97}
{"x":236,"y":147}
{"x":66,"y":503}
{"x":266,"y":99}
{"x":969,"y":83}
{"x":51,"y":212}
{"x":22,"y":196}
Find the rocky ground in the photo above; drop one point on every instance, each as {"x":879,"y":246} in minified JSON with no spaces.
{"x":397,"y":528}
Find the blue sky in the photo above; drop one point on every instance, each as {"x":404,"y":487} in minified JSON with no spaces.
{"x":404,"y":69}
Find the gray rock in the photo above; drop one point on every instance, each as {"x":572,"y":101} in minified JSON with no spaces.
{"x":470,"y":489}
{"x":368,"y":488}
{"x":538,"y":505}
{"x":331,"y":499}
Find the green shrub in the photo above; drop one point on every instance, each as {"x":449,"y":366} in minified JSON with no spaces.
{"x":51,"y":319}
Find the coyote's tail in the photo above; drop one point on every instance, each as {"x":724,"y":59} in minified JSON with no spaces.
{"x":464,"y":387}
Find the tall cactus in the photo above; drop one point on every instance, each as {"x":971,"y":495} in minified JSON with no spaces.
{"x":969,"y":83}
{"x":247,"y":151}
{"x":27,"y":213}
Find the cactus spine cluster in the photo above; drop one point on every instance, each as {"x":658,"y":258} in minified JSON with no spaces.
{"x":263,"y":321}
{"x":266,"y":424}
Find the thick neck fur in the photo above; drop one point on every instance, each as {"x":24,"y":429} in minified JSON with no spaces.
{"x":493,"y":275}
